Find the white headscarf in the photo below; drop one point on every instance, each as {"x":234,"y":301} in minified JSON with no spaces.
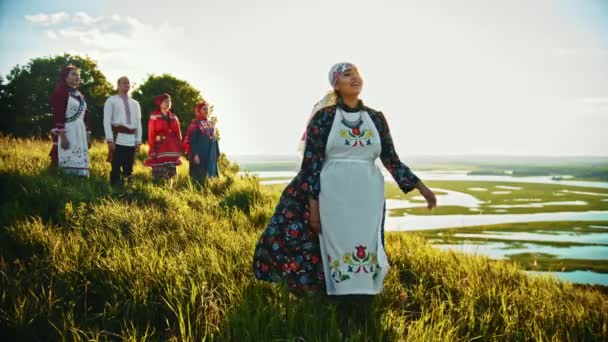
{"x":329,"y":99}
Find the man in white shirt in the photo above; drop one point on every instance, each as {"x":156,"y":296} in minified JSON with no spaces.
{"x":122,"y":126}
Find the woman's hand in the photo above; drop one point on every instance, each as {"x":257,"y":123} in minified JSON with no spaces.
{"x":428,"y":195}
{"x":314,"y":218}
{"x":65,"y":144}
{"x":197,"y":160}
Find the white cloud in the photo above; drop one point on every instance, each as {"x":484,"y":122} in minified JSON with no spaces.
{"x":51,"y":34}
{"x":120,"y":44}
{"x":123,"y":35}
{"x":48,"y":19}
{"x":81,"y":18}
{"x":95,"y":38}
{"x":105,"y":33}
{"x":82,"y":21}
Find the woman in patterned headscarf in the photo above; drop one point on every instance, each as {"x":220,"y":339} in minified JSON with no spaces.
{"x":201,"y":145}
{"x":164,"y":140}
{"x":327,"y":230}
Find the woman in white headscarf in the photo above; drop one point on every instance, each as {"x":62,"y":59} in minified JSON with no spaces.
{"x":326,"y":233}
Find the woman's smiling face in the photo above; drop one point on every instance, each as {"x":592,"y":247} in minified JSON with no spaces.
{"x":350,"y":82}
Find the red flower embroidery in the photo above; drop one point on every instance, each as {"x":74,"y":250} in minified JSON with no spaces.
{"x":288,"y":214}
{"x":356,"y":131}
{"x":294,"y":233}
{"x":361,"y":252}
{"x":293,"y":266}
{"x":315,"y":259}
{"x":264,"y":267}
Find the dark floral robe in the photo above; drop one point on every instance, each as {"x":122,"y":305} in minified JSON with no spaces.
{"x":287,"y":250}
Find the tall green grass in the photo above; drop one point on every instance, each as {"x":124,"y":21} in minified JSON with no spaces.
{"x":82,"y":261}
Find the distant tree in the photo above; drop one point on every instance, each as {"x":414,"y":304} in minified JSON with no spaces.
{"x":24,"y":96}
{"x":184,"y":98}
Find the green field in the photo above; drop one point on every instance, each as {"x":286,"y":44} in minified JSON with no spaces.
{"x":533,"y":261}
{"x":82,"y":261}
{"x":529,"y":193}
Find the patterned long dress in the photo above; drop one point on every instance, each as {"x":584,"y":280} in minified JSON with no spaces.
{"x":201,"y":140}
{"x":287,"y":250}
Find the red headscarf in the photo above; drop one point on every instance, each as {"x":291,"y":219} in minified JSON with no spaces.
{"x":198,"y":110}
{"x":160,"y":99}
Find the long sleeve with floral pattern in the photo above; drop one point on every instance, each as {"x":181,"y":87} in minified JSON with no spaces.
{"x":314,"y":151}
{"x":405,"y":178}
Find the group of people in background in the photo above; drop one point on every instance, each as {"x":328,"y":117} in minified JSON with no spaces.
{"x":123,"y":131}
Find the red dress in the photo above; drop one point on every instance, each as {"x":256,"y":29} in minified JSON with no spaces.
{"x":164,"y":140}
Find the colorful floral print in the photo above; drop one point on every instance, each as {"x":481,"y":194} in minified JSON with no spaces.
{"x":357,"y":137}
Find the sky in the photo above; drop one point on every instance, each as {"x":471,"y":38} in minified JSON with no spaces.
{"x":462,"y":77}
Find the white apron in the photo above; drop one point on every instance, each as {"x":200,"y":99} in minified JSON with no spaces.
{"x":351,"y":208}
{"x":75,"y":160}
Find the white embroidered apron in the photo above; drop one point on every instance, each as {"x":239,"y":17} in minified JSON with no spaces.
{"x":351,"y":207}
{"x":75,"y":159}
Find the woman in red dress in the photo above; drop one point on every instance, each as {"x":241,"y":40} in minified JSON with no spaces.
{"x":164,"y":140}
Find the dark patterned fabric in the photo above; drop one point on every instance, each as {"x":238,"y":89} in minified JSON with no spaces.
{"x":288,"y":251}
{"x":164,"y":171}
{"x":200,"y":140}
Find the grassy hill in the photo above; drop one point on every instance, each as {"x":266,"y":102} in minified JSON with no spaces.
{"x":82,"y":261}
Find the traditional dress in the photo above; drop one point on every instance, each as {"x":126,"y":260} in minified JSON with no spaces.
{"x":338,"y":169}
{"x":69,"y":116}
{"x":122,"y":126}
{"x":164,"y":141}
{"x":201,"y":141}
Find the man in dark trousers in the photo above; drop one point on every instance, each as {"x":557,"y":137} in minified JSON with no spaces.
{"x":122,"y":126}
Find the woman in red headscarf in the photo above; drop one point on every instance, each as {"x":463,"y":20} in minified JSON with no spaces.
{"x":71,"y":137}
{"x":201,"y":146}
{"x":164,"y":140}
